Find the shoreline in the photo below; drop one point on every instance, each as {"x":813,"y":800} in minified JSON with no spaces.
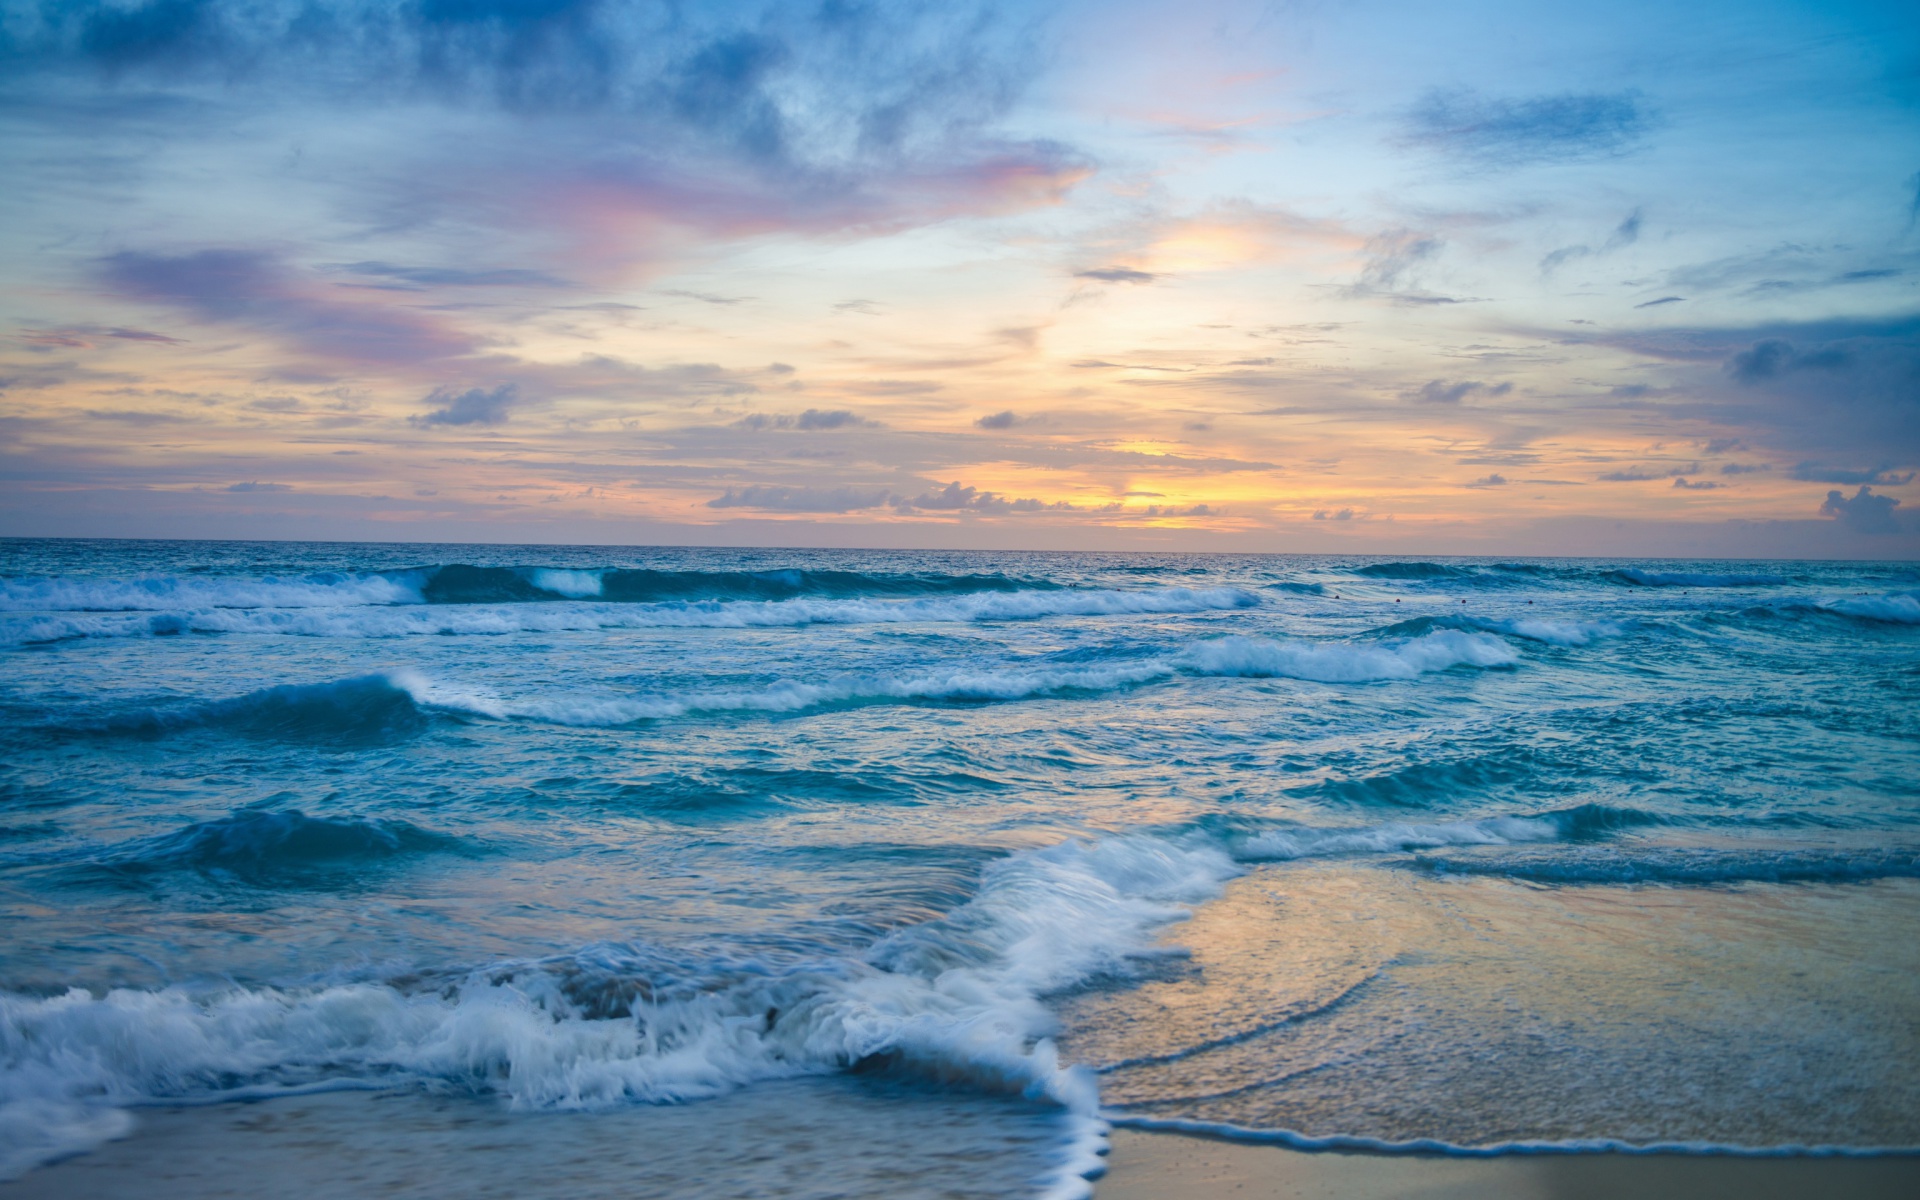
{"x":1169,"y":1165}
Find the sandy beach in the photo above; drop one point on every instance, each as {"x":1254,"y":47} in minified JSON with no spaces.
{"x":1160,"y":1166}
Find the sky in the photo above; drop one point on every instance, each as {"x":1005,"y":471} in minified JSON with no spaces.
{"x":1475,"y":278}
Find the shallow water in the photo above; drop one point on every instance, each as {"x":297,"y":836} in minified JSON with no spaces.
{"x":1482,"y":853}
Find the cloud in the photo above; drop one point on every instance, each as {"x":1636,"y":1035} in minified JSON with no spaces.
{"x":1771,"y":358}
{"x":1662,"y":300}
{"x":957,"y":498}
{"x":1864,"y":512}
{"x":1624,"y":234}
{"x":1439,"y":391}
{"x":1508,"y":132}
{"x":1643,"y":474}
{"x":802,"y":499}
{"x":425,"y":277}
{"x":259,"y":487}
{"x":475,"y":406}
{"x":1703,"y":485}
{"x":1117,"y":275}
{"x":253,"y":290}
{"x":1812,"y":472}
{"x":1745,"y":468}
{"x":739,"y":116}
{"x":812,"y":420}
{"x":999,"y":420}
{"x":1486,"y":481}
{"x":1343,"y":514}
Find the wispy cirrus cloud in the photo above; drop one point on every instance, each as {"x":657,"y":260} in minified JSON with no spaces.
{"x":1499,"y":131}
{"x":253,"y":290}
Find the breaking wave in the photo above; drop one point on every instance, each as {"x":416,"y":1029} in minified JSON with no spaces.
{"x":1533,"y":629}
{"x":1336,"y":662}
{"x":357,"y":711}
{"x":958,"y":998}
{"x":1304,"y":841}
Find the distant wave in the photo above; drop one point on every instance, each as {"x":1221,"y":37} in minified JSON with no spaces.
{"x":459,"y":583}
{"x":1545,"y":630}
{"x":1638,"y":578}
{"x":371,"y":709}
{"x":1411,"y":570}
{"x":1690,"y":866}
{"x":502,"y":619}
{"x":1897,"y":608}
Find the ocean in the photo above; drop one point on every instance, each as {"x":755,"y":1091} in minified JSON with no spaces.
{"x":809,"y":872}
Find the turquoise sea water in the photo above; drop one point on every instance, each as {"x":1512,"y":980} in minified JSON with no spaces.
{"x":1477,"y":854}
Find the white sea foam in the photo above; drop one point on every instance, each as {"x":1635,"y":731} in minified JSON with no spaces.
{"x":958,"y":997}
{"x":560,"y":617}
{"x":576,"y":585}
{"x":156,"y":593}
{"x":1553,"y":633}
{"x":1349,"y":662}
{"x":1277,"y":845}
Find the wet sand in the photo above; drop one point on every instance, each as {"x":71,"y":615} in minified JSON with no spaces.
{"x":1162,"y":1166}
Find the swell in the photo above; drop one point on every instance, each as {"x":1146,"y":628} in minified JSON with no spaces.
{"x":461,"y":583}
{"x":278,"y":847}
{"x":502,"y":619}
{"x":363,"y":710}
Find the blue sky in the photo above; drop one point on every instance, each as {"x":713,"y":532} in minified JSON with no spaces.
{"x":1475,"y":278}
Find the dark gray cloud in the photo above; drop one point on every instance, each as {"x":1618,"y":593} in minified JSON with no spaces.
{"x":1771,"y":358}
{"x":1745,"y":468}
{"x":475,"y":406}
{"x":1643,"y":474}
{"x":999,"y":420}
{"x":1813,"y":472}
{"x":259,"y":487}
{"x":1662,"y":300}
{"x":1117,"y":275}
{"x":1486,"y":481}
{"x":1863,"y":512}
{"x":1499,"y":131}
{"x":253,"y":290}
{"x":1440,"y":391}
{"x":802,"y":499}
{"x":1697,"y":485}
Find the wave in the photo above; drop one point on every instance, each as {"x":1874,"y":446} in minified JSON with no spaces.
{"x":1303,"y":841}
{"x":1635,"y":577}
{"x":1897,"y":608}
{"x":268,"y":846}
{"x":459,"y":583}
{"x":167,"y":592}
{"x":957,"y":998}
{"x":366,"y":709}
{"x":1434,"y":1146}
{"x":1411,"y":570}
{"x":958,"y":685}
{"x":1533,"y":629}
{"x":1337,"y":662}
{"x":505,"y":619}
{"x":1690,"y":866}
